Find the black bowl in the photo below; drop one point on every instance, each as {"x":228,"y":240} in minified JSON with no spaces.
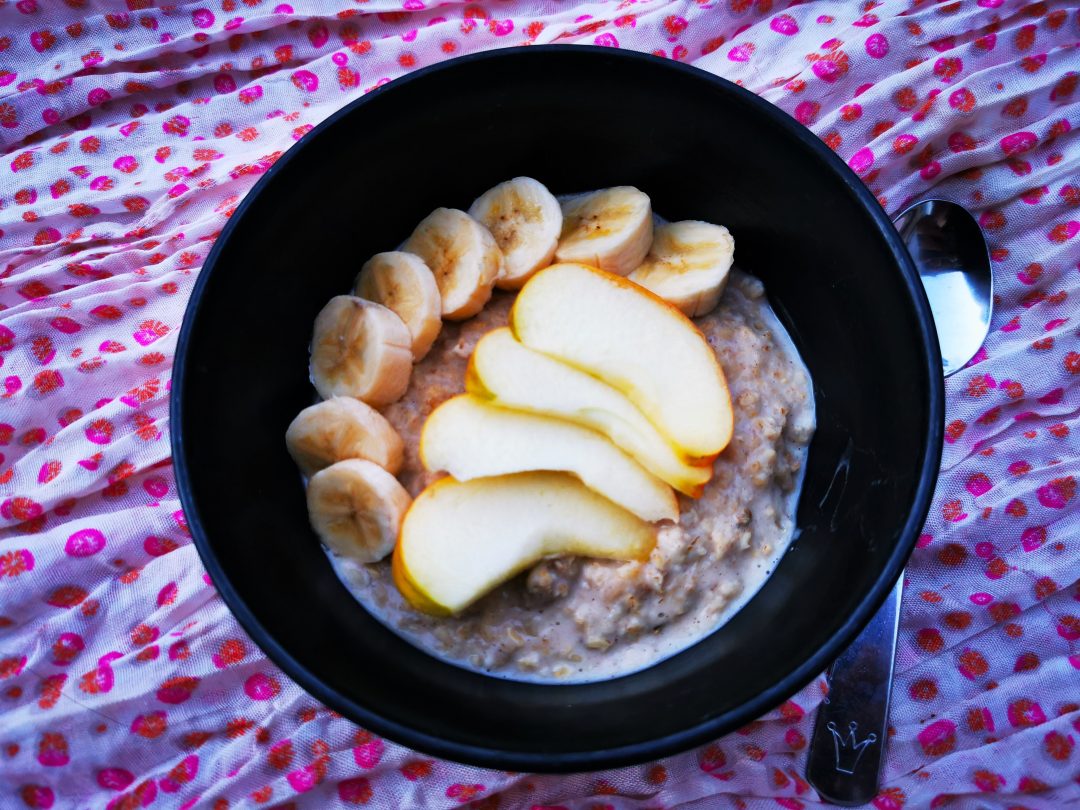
{"x":575,"y":118}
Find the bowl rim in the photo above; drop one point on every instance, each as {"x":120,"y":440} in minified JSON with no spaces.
{"x":702,"y":732}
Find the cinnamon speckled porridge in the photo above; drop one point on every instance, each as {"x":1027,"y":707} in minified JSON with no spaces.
{"x":572,"y":619}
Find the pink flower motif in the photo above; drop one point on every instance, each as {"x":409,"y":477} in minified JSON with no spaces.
{"x":157,"y":546}
{"x":179,"y":776}
{"x":67,"y":646}
{"x":41,"y":41}
{"x":946,"y":68}
{"x":938,"y":738}
{"x":84,"y":543}
{"x":149,"y":725}
{"x":305,"y":80}
{"x":862,"y":160}
{"x":20,"y":509}
{"x":464,"y":793}
{"x":115,"y":778}
{"x":368,"y":754}
{"x":606,"y":40}
{"x":1033,"y":196}
{"x":1069,"y":630}
{"x":53,"y":750}
{"x":156,"y":486}
{"x":806,"y":112}
{"x":318,"y":35}
{"x":877,"y":46}
{"x":1057,"y":493}
{"x":167,"y":595}
{"x":978,"y":484}
{"x":304,"y":779}
{"x":355,"y":791}
{"x":741,"y":53}
{"x":1018,"y":143}
{"x":177,"y":690}
{"x":1024,"y":713}
{"x":126,"y":164}
{"x":961,"y":142}
{"x":250,"y":94}
{"x":202,"y":18}
{"x":784,"y":24}
{"x":65,"y":325}
{"x":38,"y":797}
{"x":261,"y":687}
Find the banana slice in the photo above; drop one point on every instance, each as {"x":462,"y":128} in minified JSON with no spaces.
{"x":463,"y":256}
{"x":356,"y":508}
{"x":361,"y":350}
{"x":610,"y":229}
{"x":402,"y":282}
{"x":526,"y":220}
{"x":342,"y":428}
{"x":688,"y":265}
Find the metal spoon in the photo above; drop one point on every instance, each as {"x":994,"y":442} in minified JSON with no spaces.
{"x":850,"y":734}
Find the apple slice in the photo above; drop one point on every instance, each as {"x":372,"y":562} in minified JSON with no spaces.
{"x":459,"y":540}
{"x":632,"y":340}
{"x":470,"y":438}
{"x":512,"y":375}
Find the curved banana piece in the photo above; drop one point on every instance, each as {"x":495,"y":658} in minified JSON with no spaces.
{"x":611,"y":229}
{"x":688,"y":265}
{"x":341,"y":428}
{"x":402,"y":282}
{"x":526,"y":220}
{"x":361,"y":350}
{"x":463,"y":256}
{"x":356,"y":508}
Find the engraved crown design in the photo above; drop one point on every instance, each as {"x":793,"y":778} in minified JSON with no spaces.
{"x":848,"y":749}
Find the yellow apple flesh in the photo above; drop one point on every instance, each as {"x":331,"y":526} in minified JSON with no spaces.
{"x":618,"y":331}
{"x":512,"y":375}
{"x":460,"y":540}
{"x":472,"y":438}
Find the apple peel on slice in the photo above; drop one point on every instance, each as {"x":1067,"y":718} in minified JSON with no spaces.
{"x":461,"y":539}
{"x":634,"y":341}
{"x":470,"y":438}
{"x":512,"y":375}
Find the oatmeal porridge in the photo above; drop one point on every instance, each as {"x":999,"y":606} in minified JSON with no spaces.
{"x":573,"y":619}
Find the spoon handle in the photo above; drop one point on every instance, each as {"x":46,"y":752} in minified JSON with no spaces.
{"x":851,"y":731}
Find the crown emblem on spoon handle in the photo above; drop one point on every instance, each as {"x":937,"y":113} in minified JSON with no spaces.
{"x":848,"y":744}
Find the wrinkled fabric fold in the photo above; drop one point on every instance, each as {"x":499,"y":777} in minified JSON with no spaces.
{"x":131,"y":131}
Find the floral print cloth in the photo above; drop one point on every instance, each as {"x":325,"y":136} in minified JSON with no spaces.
{"x":129,"y":133}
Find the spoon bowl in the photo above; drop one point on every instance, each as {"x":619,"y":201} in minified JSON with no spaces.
{"x":954,"y":264}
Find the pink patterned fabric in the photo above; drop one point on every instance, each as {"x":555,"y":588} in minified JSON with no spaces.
{"x":129,"y":134}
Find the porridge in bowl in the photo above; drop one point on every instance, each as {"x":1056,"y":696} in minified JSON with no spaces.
{"x":574,"y":480}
